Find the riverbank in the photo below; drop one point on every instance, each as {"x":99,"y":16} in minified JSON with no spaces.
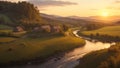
{"x":106,"y":58}
{"x":35,"y":51}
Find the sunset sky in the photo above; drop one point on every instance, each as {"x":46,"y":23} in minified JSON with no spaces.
{"x":77,"y":7}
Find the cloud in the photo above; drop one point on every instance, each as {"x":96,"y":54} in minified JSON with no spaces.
{"x":93,"y":9}
{"x":44,"y":3}
{"x":13,"y":0}
{"x":117,"y":1}
{"x":113,"y":8}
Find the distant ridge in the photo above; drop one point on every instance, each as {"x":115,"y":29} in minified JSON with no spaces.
{"x":67,"y":20}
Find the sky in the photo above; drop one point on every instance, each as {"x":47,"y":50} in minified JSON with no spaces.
{"x":82,"y":8}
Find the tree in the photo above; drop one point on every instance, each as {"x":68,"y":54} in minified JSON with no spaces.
{"x":97,"y":34}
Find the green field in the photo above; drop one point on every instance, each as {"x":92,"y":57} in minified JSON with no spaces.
{"x":6,"y":19}
{"x":5,"y":29}
{"x":31,"y":48}
{"x":110,"y":30}
{"x":6,"y":39}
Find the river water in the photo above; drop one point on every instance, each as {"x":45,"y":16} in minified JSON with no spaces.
{"x":71,"y":59}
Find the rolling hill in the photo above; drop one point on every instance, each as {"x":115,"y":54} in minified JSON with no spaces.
{"x":66,"y":20}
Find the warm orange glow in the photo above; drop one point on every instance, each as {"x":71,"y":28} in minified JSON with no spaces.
{"x":105,"y":13}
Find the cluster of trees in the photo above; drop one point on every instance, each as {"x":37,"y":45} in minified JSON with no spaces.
{"x":21,"y":12}
{"x":114,"y":60}
{"x":92,"y":26}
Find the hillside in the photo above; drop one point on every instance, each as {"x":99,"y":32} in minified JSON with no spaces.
{"x":18,"y":13}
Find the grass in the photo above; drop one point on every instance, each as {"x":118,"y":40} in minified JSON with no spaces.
{"x":105,"y":34}
{"x":6,"y":19}
{"x":5,"y":31}
{"x":110,"y":30}
{"x":5,"y":27}
{"x":6,"y":39}
{"x":8,"y":31}
{"x":93,"y":59}
{"x":31,"y":48}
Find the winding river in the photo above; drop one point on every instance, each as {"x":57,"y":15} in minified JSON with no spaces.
{"x":71,"y":59}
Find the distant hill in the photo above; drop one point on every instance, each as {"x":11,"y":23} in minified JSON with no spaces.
{"x":117,"y":23}
{"x":67,"y":20}
{"x":107,"y":20}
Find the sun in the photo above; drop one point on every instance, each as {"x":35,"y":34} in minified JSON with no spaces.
{"x":105,"y":14}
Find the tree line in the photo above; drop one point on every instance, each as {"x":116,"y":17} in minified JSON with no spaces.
{"x":20,"y":13}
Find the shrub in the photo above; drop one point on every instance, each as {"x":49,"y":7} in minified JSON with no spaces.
{"x":103,"y":65}
{"x":114,"y":49}
{"x":10,"y":49}
{"x":97,"y":34}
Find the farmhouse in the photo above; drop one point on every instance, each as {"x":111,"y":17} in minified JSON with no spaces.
{"x":37,"y":29}
{"x":46,"y":28}
{"x":56,"y":28}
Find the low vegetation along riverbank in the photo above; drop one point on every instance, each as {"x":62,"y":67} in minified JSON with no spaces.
{"x":105,"y":34}
{"x":24,"y":50}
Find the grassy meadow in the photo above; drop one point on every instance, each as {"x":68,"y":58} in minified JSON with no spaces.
{"x":6,"y":39}
{"x":5,"y":29}
{"x":110,"y":30}
{"x":31,"y":48}
{"x":105,"y":34}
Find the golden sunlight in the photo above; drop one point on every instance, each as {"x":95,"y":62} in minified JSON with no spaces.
{"x":105,"y":13}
